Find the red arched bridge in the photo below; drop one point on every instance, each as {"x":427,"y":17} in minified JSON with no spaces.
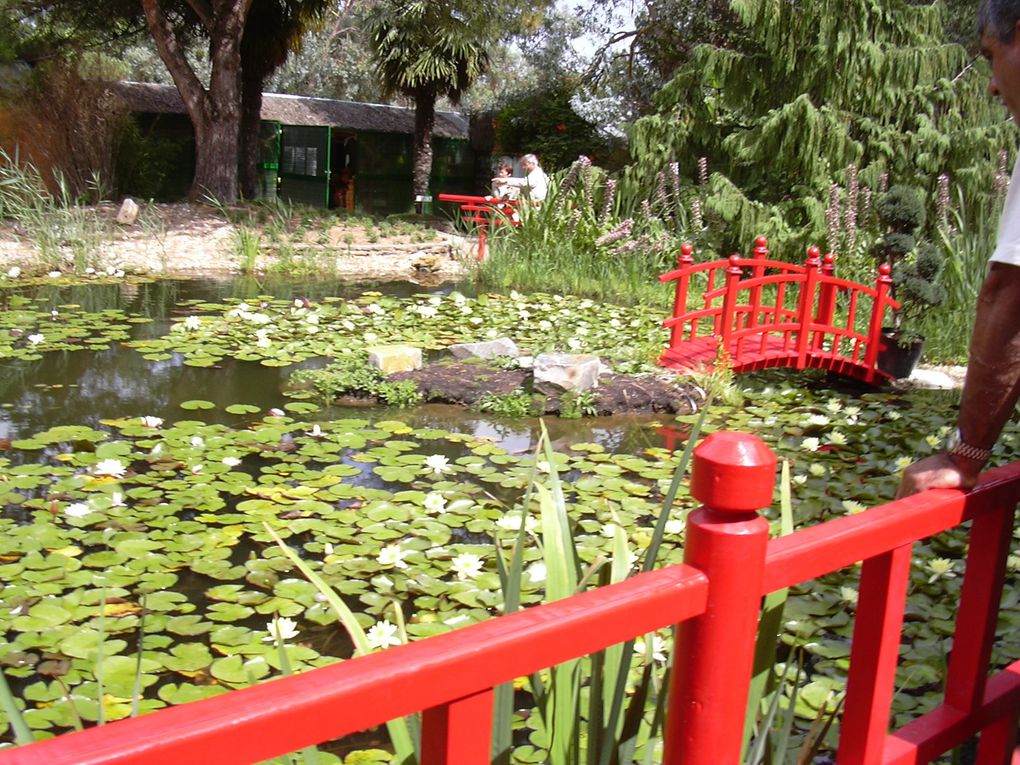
{"x":753,"y":313}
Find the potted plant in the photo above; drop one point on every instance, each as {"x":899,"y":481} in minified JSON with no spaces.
{"x":915,"y":270}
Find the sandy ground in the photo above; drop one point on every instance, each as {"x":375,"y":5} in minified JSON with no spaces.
{"x":189,"y":238}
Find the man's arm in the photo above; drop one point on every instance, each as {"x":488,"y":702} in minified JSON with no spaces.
{"x":990,"y":390}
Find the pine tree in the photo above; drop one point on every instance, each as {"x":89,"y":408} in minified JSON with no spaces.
{"x":824,"y":85}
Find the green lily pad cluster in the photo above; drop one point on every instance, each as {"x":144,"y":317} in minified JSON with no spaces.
{"x":279,"y":333}
{"x":27,"y":330}
{"x":151,"y":535}
{"x":15,"y":277}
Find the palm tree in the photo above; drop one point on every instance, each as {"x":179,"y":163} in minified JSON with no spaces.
{"x":431,"y":48}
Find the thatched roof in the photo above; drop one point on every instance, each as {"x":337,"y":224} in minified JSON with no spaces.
{"x":302,"y":110}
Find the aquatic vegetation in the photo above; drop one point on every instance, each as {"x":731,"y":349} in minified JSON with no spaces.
{"x":280,"y":333}
{"x":29,"y":328}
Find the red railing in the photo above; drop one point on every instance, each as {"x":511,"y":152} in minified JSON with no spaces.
{"x":484,"y":212}
{"x":714,"y":597}
{"x":767,"y":313}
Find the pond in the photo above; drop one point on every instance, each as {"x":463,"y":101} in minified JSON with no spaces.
{"x":149,"y":454}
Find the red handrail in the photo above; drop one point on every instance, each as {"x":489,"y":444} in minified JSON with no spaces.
{"x":713,"y":596}
{"x":756,"y":334}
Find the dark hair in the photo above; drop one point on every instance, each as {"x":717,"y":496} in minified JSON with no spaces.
{"x":998,"y":17}
{"x":505,"y":166}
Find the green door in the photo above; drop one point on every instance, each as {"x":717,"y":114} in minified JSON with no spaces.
{"x":304,"y":164}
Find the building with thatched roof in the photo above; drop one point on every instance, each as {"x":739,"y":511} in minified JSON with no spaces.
{"x":316,"y":151}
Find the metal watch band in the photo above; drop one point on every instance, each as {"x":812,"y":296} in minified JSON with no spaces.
{"x":960,"y":448}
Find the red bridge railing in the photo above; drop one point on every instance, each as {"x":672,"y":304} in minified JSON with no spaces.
{"x":484,"y":212}
{"x":766,"y":313}
{"x":713,"y":596}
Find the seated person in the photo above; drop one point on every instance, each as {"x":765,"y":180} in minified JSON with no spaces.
{"x":535,"y":185}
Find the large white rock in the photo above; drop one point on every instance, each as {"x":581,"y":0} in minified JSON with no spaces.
{"x":932,"y":378}
{"x":394,"y":358}
{"x":488,"y":349}
{"x":128,"y":213}
{"x":558,"y":372}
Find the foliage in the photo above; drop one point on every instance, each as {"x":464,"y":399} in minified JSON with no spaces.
{"x":780,"y":119}
{"x":577,"y":404}
{"x":352,"y":375}
{"x":518,"y":403}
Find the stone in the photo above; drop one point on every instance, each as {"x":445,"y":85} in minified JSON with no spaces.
{"x":488,"y":349}
{"x":931,"y":378}
{"x":128,"y":213}
{"x":558,"y":372}
{"x":394,"y":358}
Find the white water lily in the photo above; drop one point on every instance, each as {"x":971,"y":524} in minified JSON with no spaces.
{"x":512,"y":522}
{"x":370,"y":337}
{"x":427,"y":311}
{"x":940,"y":568}
{"x":197,"y":469}
{"x":848,"y":595}
{"x":658,"y":648}
{"x":36,"y":338}
{"x":231,"y":461}
{"x":608,"y":530}
{"x":438,"y":464}
{"x":435,"y":502}
{"x":475,"y":319}
{"x":110,"y":270}
{"x":674,"y":526}
{"x":316,"y":431}
{"x":348,"y":325}
{"x":109,"y":467}
{"x":263,"y":342}
{"x":393,"y":555}
{"x":312,"y":318}
{"x":818,"y":419}
{"x":537,"y":572}
{"x":280,"y":628}
{"x":545,"y":324}
{"x":853,"y":507}
{"x":117,"y":499}
{"x":382,"y":635}
{"x":54,"y":274}
{"x":810,"y":444}
{"x":77,"y":510}
{"x":14,"y":272}
{"x":466,"y":565}
{"x":375,"y":308}
{"x":902,"y":463}
{"x":148,"y":421}
{"x":837,"y":438}
{"x":192,"y":323}
{"x":197,"y":441}
{"x":573,"y":343}
{"x":89,"y":271}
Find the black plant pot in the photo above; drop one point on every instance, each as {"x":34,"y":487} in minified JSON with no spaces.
{"x":899,"y":352}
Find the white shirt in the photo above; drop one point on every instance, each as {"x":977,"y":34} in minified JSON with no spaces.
{"x":1007,"y":250}
{"x":535,"y":184}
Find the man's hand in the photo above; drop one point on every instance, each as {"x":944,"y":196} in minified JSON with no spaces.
{"x":940,"y":471}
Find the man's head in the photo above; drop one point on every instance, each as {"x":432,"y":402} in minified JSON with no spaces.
{"x":529,"y":162}
{"x":998,"y":21}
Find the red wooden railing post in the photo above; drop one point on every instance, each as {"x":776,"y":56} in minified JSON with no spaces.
{"x":882,"y":285}
{"x":760,"y":252}
{"x":826,"y":301}
{"x":685,"y":260}
{"x":805,"y":306}
{"x":458,"y":732}
{"x":729,"y":306}
{"x":733,"y":477}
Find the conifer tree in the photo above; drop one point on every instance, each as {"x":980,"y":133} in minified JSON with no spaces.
{"x":823,"y":85}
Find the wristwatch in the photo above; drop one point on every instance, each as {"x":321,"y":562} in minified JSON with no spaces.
{"x":957,"y":447}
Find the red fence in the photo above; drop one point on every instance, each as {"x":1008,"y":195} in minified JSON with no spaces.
{"x":767,"y":313}
{"x":484,"y":212}
{"x":714,"y":597}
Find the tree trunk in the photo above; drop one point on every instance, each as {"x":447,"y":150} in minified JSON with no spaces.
{"x":424,"y":123}
{"x":249,"y":149}
{"x":215,"y":112}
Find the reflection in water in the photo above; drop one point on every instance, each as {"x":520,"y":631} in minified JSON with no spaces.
{"x":84,"y":387}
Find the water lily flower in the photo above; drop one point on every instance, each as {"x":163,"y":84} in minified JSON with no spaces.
{"x":426,"y":311}
{"x":231,"y":461}
{"x":327,"y":547}
{"x":54,"y":314}
{"x":436,"y":300}
{"x":435,"y":502}
{"x":192,"y":323}
{"x":581,"y":330}
{"x":348,"y":325}
{"x":54,"y":274}
{"x":512,"y":522}
{"x":109,"y":467}
{"x":674,"y":526}
{"x":14,"y":272}
{"x":116,"y":499}
{"x":370,"y":337}
{"x":438,"y":464}
{"x":77,"y":510}
{"x":90,"y":271}
{"x":312,"y":318}
{"x":941,"y":568}
{"x":263,"y":342}
{"x":475,"y":320}
{"x":902,"y":463}
{"x":466,"y":565}
{"x":197,"y":469}
{"x":466,"y":310}
{"x":608,"y":530}
{"x":36,"y":338}
{"x":836,"y":438}
{"x":818,"y":419}
{"x":149,"y":421}
{"x":393,"y":555}
{"x":280,"y":628}
{"x":382,"y":635}
{"x":658,"y":648}
{"x":157,"y":449}
{"x":545,"y":324}
{"x":458,"y":299}
{"x":110,"y":270}
{"x":853,"y":507}
{"x":810,"y":444}
{"x":848,"y":595}
{"x":375,"y":308}
{"x":311,"y":329}
{"x":573,"y":343}
{"x":299,"y":303}
{"x":197,"y":441}
{"x":316,"y":431}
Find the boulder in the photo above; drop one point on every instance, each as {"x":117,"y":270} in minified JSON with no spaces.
{"x":489,"y":349}
{"x":558,"y":372}
{"x":394,"y":358}
{"x":931,"y":378}
{"x":128,"y":212}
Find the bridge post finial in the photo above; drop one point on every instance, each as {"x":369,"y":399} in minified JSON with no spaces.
{"x":734,"y":475}
{"x":761,"y":247}
{"x":814,"y":259}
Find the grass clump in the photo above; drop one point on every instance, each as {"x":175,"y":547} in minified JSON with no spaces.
{"x":352,"y":375}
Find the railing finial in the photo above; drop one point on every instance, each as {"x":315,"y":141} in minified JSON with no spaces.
{"x":733,"y":473}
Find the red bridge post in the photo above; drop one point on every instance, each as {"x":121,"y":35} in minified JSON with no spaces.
{"x":826,"y":300}
{"x":729,"y":305}
{"x":806,"y":304}
{"x":882,"y":285}
{"x":734,"y":475}
{"x":685,"y":260}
